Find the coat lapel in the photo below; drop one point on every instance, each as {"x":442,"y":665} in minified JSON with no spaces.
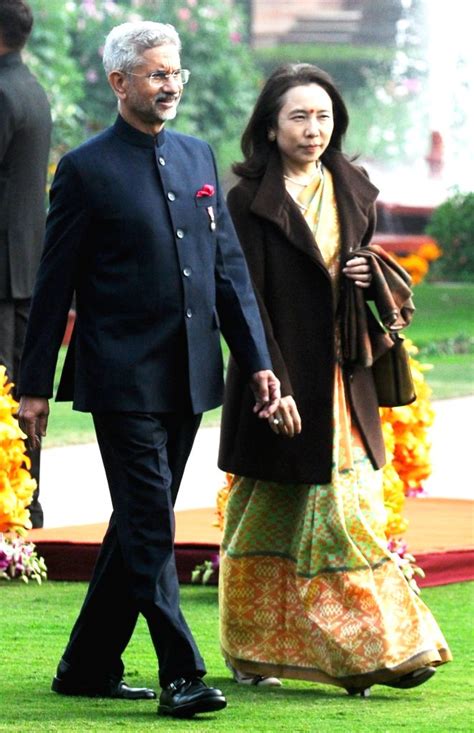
{"x":273,"y":202}
{"x":355,"y":195}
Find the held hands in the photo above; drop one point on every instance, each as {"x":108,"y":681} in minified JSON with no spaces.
{"x":266,"y":389}
{"x":33,"y":418}
{"x":286,"y":420}
{"x":358,"y":269}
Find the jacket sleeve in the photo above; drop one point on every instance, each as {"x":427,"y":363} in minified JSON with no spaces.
{"x":67,"y":222}
{"x":370,"y":231}
{"x":6,"y":124}
{"x":251,"y":238}
{"x":239,"y":317}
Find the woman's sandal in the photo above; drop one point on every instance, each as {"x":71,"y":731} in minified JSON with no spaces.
{"x":412,"y":679}
{"x":257,"y":680}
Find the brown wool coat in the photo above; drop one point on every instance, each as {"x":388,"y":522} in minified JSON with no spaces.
{"x":298,"y":310}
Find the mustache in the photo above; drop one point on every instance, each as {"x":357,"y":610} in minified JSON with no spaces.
{"x":166,"y":97}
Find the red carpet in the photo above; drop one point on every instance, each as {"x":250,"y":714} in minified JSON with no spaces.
{"x":440,"y":535}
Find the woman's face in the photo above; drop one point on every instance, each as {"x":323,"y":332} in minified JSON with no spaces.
{"x":304,"y":127}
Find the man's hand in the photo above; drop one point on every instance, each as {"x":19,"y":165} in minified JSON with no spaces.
{"x":358,"y":269}
{"x":266,"y":389}
{"x":286,"y":420}
{"x":33,"y":418}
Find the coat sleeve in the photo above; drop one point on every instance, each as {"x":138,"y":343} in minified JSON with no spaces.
{"x":7,"y":126}
{"x":370,"y":231}
{"x":67,"y":222}
{"x":240,"y":320}
{"x":251,"y":238}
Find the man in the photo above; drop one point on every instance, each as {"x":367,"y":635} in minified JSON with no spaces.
{"x":139,"y":229}
{"x":25,"y":131}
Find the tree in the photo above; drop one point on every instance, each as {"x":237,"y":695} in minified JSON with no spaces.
{"x":66,"y":53}
{"x":49,"y":55}
{"x":452,"y":225}
{"x":224,"y":82}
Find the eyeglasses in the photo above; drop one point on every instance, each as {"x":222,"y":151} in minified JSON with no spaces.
{"x":158,"y":78}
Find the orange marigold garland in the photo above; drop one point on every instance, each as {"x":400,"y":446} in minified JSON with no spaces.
{"x":406,"y":433}
{"x":417,"y":263}
{"x":17,"y":557}
{"x":221,"y":501}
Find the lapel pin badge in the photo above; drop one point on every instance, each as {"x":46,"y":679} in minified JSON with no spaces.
{"x":212,"y":218}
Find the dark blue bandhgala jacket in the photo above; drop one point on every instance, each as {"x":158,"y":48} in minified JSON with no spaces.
{"x":154,"y":280}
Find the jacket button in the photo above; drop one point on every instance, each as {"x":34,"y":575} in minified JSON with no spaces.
{"x":171,"y":196}
{"x":179,"y":233}
{"x":189,"y":313}
{"x":161,"y":160}
{"x":187,"y":271}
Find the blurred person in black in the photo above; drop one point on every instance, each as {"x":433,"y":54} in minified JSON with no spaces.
{"x":25,"y":132}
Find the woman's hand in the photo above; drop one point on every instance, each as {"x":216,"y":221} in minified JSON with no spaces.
{"x":286,"y":420}
{"x":358,"y":269}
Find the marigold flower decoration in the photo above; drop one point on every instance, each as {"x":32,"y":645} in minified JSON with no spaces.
{"x":16,"y":484}
{"x":408,"y":446}
{"x":221,"y":501}
{"x":417,"y":263}
{"x":18,"y":559}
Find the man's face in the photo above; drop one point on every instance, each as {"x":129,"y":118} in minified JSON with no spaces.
{"x":145,"y":103}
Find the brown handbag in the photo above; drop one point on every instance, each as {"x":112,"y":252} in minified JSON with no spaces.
{"x":392,"y":375}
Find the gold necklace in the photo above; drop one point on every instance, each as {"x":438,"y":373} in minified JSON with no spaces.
{"x":297,"y":183}
{"x":319,"y":172}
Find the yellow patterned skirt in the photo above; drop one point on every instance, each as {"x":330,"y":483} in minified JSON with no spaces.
{"x":308,"y":589}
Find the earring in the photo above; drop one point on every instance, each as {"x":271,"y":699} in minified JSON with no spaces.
{"x":271,"y":135}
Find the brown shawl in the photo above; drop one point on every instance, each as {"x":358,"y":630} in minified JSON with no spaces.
{"x":364,"y":339}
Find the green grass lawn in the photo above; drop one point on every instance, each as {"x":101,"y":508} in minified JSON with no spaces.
{"x":443,"y":331}
{"x":442,"y":320}
{"x":443,"y":311}
{"x":35,"y":623}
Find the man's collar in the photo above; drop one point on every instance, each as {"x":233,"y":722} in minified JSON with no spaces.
{"x":13,"y":58}
{"x":133,"y":136}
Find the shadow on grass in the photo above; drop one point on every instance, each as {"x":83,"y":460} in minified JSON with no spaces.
{"x":293,"y":692}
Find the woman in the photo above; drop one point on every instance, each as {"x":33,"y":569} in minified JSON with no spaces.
{"x":308,"y":588}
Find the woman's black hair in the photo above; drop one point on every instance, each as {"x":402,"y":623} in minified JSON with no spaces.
{"x":255,"y":144}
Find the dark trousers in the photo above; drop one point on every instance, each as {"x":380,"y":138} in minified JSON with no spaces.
{"x":13,"y":320}
{"x":144,"y":457}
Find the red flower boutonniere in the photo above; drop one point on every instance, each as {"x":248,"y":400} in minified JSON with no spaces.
{"x":208,"y":190}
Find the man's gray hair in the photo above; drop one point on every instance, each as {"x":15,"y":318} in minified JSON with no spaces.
{"x":126,"y":43}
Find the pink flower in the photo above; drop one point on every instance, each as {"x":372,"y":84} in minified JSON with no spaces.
{"x":184,"y":13}
{"x":92,"y":76}
{"x":412,"y":85}
{"x":5,"y":559}
{"x":206,"y":190}
{"x":235,"y":37}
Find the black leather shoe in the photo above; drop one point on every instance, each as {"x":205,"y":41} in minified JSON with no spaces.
{"x":120,"y":689}
{"x":412,"y":679}
{"x":185,"y":698}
